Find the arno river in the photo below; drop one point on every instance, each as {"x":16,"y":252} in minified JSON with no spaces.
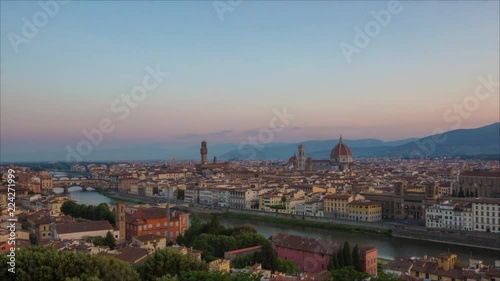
{"x":388,"y":247}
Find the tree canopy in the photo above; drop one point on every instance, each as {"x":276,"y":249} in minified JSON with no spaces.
{"x":45,"y":263}
{"x":96,"y":213}
{"x":168,"y":261}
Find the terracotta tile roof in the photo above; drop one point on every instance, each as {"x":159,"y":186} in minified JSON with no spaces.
{"x":83,"y":227}
{"x":133,"y":254}
{"x":243,"y":250}
{"x":338,"y":196}
{"x":315,"y":245}
{"x":481,"y":174}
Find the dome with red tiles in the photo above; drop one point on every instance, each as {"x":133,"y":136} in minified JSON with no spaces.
{"x":292,"y":159}
{"x":341,"y":153}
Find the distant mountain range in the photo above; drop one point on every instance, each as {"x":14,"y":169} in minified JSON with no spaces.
{"x":464,"y":142}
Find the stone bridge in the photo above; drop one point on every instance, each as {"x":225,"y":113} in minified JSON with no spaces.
{"x":66,"y":182}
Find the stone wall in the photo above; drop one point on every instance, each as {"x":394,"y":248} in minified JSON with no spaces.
{"x":474,"y":239}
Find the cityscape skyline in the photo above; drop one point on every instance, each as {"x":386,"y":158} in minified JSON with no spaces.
{"x":227,"y":76}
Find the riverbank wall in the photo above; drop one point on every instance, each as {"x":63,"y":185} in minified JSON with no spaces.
{"x":454,"y":237}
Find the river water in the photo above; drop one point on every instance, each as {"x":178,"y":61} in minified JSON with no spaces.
{"x":89,"y":197}
{"x":388,"y":247}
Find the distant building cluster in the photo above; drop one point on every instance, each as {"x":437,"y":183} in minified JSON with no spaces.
{"x":445,"y":266}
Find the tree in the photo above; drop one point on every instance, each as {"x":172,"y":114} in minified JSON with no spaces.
{"x":346,"y":252}
{"x":214,"y":226}
{"x":467,"y":194}
{"x":99,"y":212}
{"x":243,"y":229}
{"x":475,"y":193}
{"x":333,"y":263}
{"x":243,"y":261}
{"x":286,"y":266}
{"x":268,"y":256}
{"x":340,"y":258}
{"x":218,"y":276}
{"x":45,"y":263}
{"x":453,"y":193}
{"x":356,"y":259}
{"x":167,"y":277}
{"x":168,"y":261}
{"x":109,"y":240}
{"x":382,"y":276}
{"x":180,"y":194}
{"x":192,"y":232}
{"x":347,"y":273}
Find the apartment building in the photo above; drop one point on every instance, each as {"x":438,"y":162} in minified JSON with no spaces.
{"x":240,"y":198}
{"x":192,"y":195}
{"x":336,"y":205}
{"x":486,"y":214}
{"x":208,"y":197}
{"x":313,"y":208}
{"x":365,"y":211}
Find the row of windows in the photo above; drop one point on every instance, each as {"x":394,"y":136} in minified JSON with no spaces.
{"x":487,"y":208}
{"x":483,"y":228}
{"x":363,"y":213}
{"x":150,"y":226}
{"x":487,"y":214}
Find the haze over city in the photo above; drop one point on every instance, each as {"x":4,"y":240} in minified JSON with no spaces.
{"x":228,"y":72}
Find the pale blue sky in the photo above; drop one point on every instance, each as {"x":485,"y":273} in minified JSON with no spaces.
{"x":230,"y":74}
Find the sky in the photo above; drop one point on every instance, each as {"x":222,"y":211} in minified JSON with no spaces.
{"x":224,"y":70}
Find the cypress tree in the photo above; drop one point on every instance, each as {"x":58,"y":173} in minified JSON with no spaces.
{"x":356,"y":259}
{"x":334,"y":263}
{"x":347,"y":254}
{"x":340,"y":258}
